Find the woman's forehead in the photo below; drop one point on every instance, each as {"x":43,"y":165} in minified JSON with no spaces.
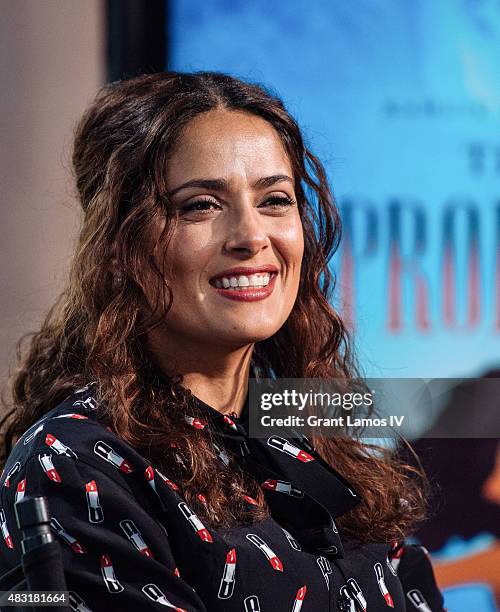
{"x":223,"y":143}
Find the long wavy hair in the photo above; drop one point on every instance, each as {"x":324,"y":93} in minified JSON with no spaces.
{"x":97,"y":331}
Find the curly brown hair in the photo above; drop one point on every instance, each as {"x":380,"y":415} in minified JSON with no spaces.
{"x":96,"y":332}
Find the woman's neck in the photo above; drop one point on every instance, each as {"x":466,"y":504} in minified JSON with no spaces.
{"x":226,"y":394}
{"x":220,"y":379}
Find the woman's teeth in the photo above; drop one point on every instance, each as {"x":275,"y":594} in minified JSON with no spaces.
{"x":237,"y":282}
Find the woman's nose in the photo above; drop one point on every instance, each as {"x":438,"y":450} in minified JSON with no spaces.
{"x":245,"y":231}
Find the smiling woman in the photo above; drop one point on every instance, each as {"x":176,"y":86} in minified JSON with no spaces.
{"x":202,"y":261}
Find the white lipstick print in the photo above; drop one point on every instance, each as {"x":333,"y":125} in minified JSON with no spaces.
{"x":20,"y":490}
{"x":178,"y":458}
{"x":13,"y":470}
{"x":299,"y":599}
{"x":394,"y":558}
{"x":329,"y":549}
{"x":281,"y":486}
{"x":96,"y":515}
{"x":250,"y":500}
{"x":379,"y":573}
{"x":325,"y":568}
{"x":286,"y":447}
{"x":76,"y":602}
{"x":195,"y":522}
{"x":221,"y":453}
{"x":71,"y":415}
{"x":149,"y":475}
{"x":89,"y":403}
{"x":167,"y":481}
{"x":344,"y":592}
{"x":67,"y":537}
{"x":103,"y":450}
{"x":48,"y":468}
{"x":291,"y":540}
{"x":30,"y":436}
{"x":252,"y":604}
{"x":134,"y":535}
{"x":228,"y":579}
{"x":229,"y":422}
{"x":85,"y":387}
{"x":357,"y":593}
{"x":5,"y":530}
{"x":57,"y":446}
{"x":194,"y":422}
{"x":418,"y":600}
{"x":264,"y":548}
{"x":108,"y":574}
{"x":157,"y":595}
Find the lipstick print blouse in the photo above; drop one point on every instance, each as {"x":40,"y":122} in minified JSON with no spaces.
{"x":131,"y":542}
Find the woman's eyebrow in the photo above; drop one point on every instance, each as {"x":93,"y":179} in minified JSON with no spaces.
{"x":222,"y":185}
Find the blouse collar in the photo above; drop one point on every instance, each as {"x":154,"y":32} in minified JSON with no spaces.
{"x":304,"y":493}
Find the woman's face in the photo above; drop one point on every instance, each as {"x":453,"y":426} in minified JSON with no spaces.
{"x":231,"y":182}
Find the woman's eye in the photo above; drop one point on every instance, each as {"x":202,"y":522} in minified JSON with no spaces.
{"x":280,"y":201}
{"x":199,"y":206}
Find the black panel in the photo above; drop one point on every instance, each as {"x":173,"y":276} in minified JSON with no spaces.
{"x":136,"y":37}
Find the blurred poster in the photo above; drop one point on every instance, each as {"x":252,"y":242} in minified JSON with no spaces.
{"x":401,"y":100}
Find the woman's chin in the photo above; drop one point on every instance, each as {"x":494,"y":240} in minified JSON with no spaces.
{"x":247,"y":336}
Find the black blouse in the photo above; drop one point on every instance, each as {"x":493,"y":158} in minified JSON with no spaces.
{"x":130,"y":541}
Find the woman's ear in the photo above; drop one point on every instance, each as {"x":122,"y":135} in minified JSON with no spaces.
{"x":114,"y":266}
{"x":117,"y":274}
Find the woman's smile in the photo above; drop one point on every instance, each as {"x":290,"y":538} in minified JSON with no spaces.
{"x":246,"y":288}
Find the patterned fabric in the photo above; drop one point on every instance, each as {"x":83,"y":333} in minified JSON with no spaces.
{"x":304,"y":493}
{"x":130,"y":541}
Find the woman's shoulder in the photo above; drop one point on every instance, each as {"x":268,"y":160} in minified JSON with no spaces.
{"x":76,"y":461}
{"x":72,"y":430}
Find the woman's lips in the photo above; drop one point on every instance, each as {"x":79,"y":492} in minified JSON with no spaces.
{"x":248,"y":294}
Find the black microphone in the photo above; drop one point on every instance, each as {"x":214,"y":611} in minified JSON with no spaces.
{"x":41,"y":560}
{"x":33,"y":519}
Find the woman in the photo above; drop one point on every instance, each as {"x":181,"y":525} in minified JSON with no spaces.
{"x":132,"y":406}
